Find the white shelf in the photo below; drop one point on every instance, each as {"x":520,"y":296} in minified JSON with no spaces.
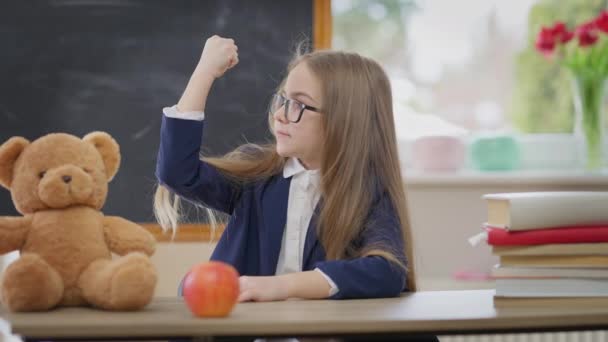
{"x":464,"y":178}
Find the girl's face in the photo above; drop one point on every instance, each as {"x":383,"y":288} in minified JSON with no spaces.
{"x":302,"y":139}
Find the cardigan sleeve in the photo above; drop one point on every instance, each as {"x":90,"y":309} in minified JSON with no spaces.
{"x":179,"y":167}
{"x":372,"y":276}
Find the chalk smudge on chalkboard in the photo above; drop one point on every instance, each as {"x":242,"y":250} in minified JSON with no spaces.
{"x":142,"y":132}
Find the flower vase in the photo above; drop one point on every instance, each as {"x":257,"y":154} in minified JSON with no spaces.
{"x":589,"y":129}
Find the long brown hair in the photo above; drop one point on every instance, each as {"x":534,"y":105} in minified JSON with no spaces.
{"x":359,"y":159}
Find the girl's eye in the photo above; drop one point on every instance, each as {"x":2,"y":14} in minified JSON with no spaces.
{"x":87,"y":170}
{"x":295,"y":105}
{"x":41,"y":174}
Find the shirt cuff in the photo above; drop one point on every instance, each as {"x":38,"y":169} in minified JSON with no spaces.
{"x":173,"y":112}
{"x":334,"y":288}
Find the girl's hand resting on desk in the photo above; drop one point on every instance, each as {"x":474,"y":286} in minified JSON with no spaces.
{"x":219,"y":55}
{"x":262,"y":289}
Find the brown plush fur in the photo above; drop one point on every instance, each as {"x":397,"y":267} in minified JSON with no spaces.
{"x":59,"y":184}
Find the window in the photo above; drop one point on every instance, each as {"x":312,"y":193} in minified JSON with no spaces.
{"x":467,"y":67}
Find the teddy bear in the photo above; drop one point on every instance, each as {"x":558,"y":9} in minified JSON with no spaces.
{"x":71,"y":253}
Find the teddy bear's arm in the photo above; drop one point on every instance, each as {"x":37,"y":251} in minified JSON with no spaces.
{"x":124,"y":236}
{"x":13,"y":231}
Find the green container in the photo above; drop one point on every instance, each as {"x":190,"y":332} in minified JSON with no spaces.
{"x":495,"y":153}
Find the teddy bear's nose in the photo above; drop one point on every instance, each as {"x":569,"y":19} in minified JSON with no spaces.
{"x":67,"y":179}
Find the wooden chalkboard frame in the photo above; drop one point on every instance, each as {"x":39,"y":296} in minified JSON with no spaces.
{"x":322,"y":25}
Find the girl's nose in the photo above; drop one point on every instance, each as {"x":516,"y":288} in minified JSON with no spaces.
{"x":279,"y":115}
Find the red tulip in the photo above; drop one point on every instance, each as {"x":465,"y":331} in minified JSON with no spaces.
{"x":601,"y":22}
{"x":549,"y":37}
{"x":211,"y":289}
{"x":560,"y":32}
{"x":545,"y":42}
{"x":586,"y":34}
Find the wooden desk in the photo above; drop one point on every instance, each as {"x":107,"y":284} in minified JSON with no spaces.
{"x":437,"y":312}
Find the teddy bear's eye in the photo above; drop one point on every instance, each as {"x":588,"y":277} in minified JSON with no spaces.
{"x":41,"y":174}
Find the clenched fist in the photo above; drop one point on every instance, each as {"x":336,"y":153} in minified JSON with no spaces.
{"x":219,"y":55}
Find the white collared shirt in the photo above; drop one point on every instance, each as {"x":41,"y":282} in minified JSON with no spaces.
{"x":303,"y":198}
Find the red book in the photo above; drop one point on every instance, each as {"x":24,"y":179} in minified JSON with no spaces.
{"x":575,"y":234}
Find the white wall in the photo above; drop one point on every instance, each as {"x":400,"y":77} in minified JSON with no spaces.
{"x":173,"y":260}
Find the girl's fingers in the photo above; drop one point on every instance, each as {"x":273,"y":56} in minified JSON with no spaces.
{"x":234,"y":61}
{"x":245,"y":296}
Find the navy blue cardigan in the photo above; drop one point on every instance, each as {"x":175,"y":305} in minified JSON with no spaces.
{"x":252,"y":238}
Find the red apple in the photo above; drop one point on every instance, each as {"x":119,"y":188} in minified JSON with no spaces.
{"x":211,"y":289}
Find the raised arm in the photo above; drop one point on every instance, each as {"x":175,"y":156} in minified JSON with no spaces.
{"x":124,"y":236}
{"x":178,"y":166}
{"x":13,"y":231}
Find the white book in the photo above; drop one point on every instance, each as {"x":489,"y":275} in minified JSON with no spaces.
{"x":548,"y":272}
{"x":541,"y":210}
{"x":565,"y":287}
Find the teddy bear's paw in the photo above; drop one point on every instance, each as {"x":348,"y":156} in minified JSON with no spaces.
{"x":31,"y":284}
{"x":133,"y":282}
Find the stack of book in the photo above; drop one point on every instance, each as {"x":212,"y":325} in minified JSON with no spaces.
{"x":552,"y":246}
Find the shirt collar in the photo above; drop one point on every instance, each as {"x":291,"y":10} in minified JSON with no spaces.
{"x":294,"y":167}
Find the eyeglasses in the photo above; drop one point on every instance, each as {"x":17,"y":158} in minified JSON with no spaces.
{"x":293,"y":108}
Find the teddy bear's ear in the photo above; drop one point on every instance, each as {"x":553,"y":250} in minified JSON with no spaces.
{"x":109,"y":150}
{"x":9,"y":152}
